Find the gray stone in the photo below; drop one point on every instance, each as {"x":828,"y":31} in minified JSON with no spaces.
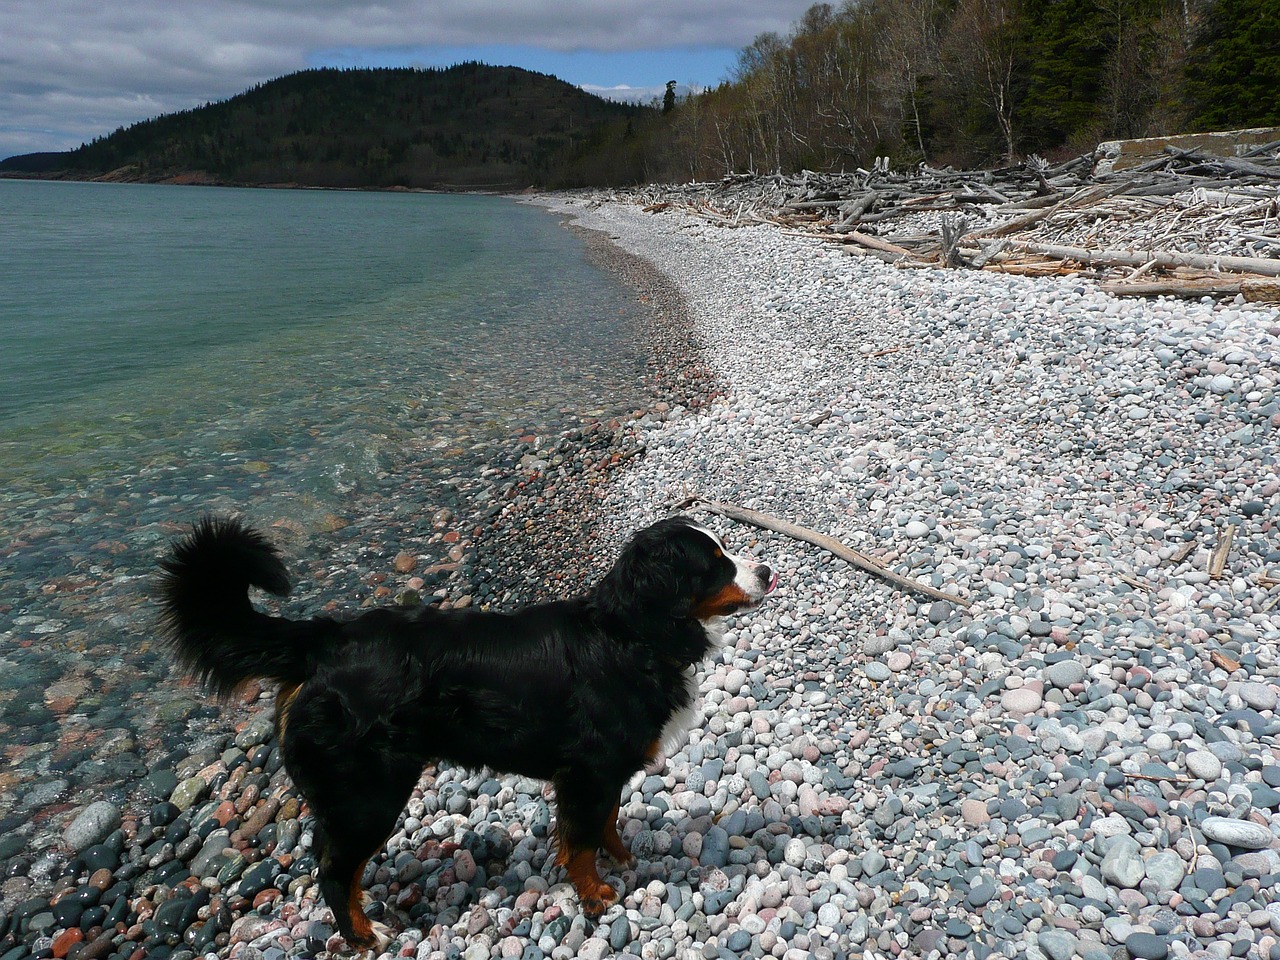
{"x":1121,"y":865}
{"x":1260,"y":696}
{"x":1258,"y":863}
{"x":715,"y":847}
{"x":217,"y":841}
{"x":1064,"y":673}
{"x":873,"y":861}
{"x":1222,"y":384}
{"x":1057,"y":944}
{"x":1237,"y":833}
{"x":1093,"y":888}
{"x":877,"y":644}
{"x":1204,"y":764}
{"x":1146,"y":946}
{"x":188,"y":792}
{"x":1021,"y":700}
{"x":93,"y":825}
{"x":1166,"y":870}
{"x":981,"y":894}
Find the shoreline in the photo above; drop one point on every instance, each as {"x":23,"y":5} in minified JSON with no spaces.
{"x":1094,"y":742}
{"x":520,"y":535}
{"x":540,"y":541}
{"x":1087,"y":758}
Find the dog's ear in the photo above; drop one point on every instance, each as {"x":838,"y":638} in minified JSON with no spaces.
{"x":658,"y":576}
{"x":651,"y":575}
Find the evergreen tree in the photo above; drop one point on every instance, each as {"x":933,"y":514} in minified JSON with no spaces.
{"x":1233,"y":75}
{"x":1064,"y":47}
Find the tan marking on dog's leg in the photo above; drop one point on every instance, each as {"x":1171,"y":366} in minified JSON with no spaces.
{"x":383,"y":935}
{"x":562,"y":850}
{"x":594,"y":894}
{"x":612,"y":843}
{"x":360,"y":923}
{"x":284,"y":703}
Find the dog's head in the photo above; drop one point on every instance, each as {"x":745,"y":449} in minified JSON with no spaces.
{"x":678,"y":569}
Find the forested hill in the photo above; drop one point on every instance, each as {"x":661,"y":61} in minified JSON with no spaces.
{"x":468,"y":126}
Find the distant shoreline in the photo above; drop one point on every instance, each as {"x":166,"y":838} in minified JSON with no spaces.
{"x":192,"y":180}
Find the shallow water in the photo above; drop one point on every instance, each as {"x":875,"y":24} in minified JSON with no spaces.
{"x":340,"y":366}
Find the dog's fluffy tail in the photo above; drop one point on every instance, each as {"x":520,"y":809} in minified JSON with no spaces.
{"x":209,"y":622}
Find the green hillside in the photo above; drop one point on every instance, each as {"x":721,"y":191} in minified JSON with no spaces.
{"x":468,"y":126}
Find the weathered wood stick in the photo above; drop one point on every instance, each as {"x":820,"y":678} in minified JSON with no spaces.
{"x":1144,"y":269}
{"x":1218,"y":558}
{"x":1018,"y":223}
{"x":1176,"y":778}
{"x":1253,"y":290}
{"x":821,"y":418}
{"x":768,"y":522}
{"x":854,"y":211}
{"x":1083,"y":196}
{"x":1046,"y":269}
{"x":1031,"y":203}
{"x":1265,"y":266}
{"x":875,"y":243}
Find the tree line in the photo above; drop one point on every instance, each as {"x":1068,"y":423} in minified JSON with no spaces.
{"x":976,"y":82}
{"x":962,"y":82}
{"x":467,"y":126}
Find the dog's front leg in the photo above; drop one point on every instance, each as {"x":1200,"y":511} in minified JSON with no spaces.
{"x":585,"y":804}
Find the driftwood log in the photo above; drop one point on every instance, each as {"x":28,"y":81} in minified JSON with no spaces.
{"x":1254,"y":290}
{"x":1266,"y":266}
{"x":1180,"y":213}
{"x":767,"y":521}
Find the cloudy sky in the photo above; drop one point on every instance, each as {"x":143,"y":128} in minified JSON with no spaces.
{"x":71,"y":70}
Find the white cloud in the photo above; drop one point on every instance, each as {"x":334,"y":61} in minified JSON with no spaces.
{"x":628,"y":94}
{"x":73,"y":69}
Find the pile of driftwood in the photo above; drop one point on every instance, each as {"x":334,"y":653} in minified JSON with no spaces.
{"x":1183,"y":223}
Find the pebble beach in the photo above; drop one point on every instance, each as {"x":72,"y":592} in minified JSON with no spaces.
{"x":1076,"y":757}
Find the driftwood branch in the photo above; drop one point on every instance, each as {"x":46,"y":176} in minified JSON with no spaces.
{"x":953,"y":231}
{"x":1218,"y":559}
{"x":875,"y":243}
{"x":1265,"y":266}
{"x":1256,"y":290}
{"x":860,"y":560}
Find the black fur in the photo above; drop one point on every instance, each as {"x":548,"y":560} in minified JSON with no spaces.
{"x":575,"y":692}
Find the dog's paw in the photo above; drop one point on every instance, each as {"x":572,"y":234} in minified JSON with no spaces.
{"x":375,"y":942}
{"x":382,"y":935}
{"x":601,"y":899}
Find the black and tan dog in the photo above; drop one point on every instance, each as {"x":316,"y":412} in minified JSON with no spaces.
{"x":582,"y":692}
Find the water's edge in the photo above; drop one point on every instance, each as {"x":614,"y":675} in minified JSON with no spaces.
{"x":528,"y":531}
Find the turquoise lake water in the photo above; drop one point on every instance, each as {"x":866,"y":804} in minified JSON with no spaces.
{"x":137,"y":319}
{"x":337,"y":367}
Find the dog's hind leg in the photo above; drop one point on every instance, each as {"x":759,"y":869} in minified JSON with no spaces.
{"x":356,"y":796}
{"x":612,"y":843}
{"x":583,"y":806}
{"x":346,"y":838}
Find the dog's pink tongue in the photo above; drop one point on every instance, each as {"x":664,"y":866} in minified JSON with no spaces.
{"x":773,"y":584}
